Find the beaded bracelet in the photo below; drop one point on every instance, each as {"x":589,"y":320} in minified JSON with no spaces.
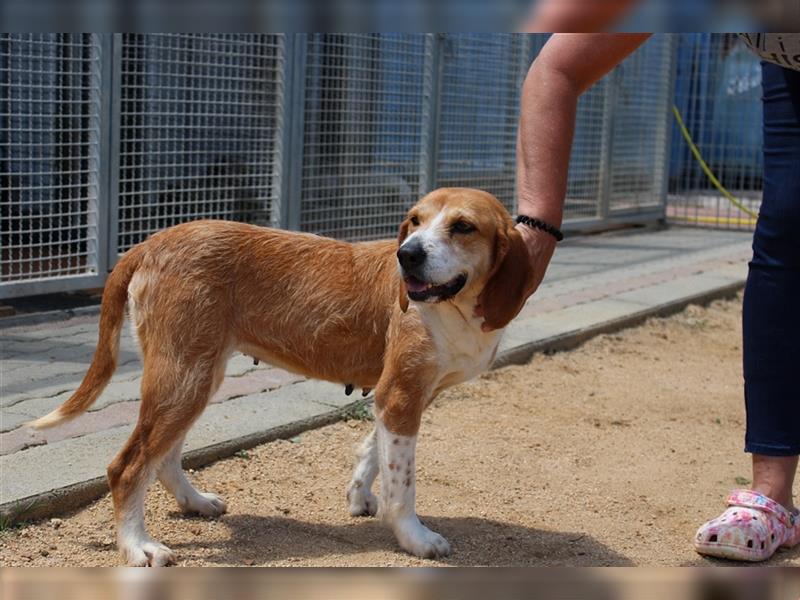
{"x":539,"y":224}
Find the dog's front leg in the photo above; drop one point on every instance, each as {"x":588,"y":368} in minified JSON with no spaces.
{"x":397,"y":499}
{"x":360,"y":499}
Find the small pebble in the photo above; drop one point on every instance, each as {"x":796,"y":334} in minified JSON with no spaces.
{"x":56,"y":523}
{"x":44,"y":552}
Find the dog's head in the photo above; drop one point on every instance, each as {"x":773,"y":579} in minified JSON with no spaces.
{"x":461,"y":243}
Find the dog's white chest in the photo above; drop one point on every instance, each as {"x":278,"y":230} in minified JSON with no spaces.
{"x":463,"y":350}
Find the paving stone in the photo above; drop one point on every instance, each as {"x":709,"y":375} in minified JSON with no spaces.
{"x":11,"y":420}
{"x":240,"y":364}
{"x":259,"y":380}
{"x":19,"y":439}
{"x":48,"y":385}
{"x":64,"y":331}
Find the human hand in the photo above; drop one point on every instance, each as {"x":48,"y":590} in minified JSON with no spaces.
{"x":533,"y":253}
{"x":540,"y":246}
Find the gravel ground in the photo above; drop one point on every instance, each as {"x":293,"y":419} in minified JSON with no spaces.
{"x":611,"y":454}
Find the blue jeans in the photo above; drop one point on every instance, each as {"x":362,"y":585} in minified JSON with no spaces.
{"x":771,"y":312}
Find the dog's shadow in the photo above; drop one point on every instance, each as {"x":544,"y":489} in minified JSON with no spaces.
{"x":475,"y":541}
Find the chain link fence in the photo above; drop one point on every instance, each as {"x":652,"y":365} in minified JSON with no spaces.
{"x":717,"y":93}
{"x":110,"y":138}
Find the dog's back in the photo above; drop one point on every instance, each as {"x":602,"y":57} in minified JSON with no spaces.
{"x":316,"y":306}
{"x":198,"y":291}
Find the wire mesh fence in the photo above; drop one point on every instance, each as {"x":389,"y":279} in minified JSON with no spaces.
{"x":197,"y":130}
{"x":49,"y":167}
{"x":361,"y":149}
{"x":641,"y":126}
{"x":111,"y":138}
{"x":717,"y":93}
{"x":479,"y":108}
{"x":619,"y":154}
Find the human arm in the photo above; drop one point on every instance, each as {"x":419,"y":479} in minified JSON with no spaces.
{"x":567,"y":66}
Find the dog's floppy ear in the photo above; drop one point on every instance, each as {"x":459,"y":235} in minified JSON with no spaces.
{"x":403,"y":292}
{"x":505,"y":291}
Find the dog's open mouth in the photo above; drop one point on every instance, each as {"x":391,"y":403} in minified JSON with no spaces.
{"x":421,"y":291}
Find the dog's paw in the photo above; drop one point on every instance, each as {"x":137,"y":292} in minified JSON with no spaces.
{"x":148,"y":554}
{"x":206,"y":504}
{"x":361,"y":502}
{"x":420,"y":541}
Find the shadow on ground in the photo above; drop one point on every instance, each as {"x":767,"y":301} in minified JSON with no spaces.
{"x":475,"y":541}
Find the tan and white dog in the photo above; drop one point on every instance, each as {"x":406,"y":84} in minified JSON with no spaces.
{"x":323,"y":308}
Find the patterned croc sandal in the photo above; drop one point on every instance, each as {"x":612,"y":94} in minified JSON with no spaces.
{"x":752,"y":529}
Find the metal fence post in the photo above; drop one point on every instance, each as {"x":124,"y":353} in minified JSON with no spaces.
{"x":97,"y":214}
{"x":606,"y":146}
{"x":110,"y":167}
{"x":431,"y":99}
{"x":672,"y":65}
{"x":279,"y":209}
{"x":524,"y":67}
{"x":286,"y":211}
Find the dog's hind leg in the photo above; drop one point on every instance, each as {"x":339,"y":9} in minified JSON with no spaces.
{"x":129,"y":475}
{"x":172,"y":398}
{"x":190,"y":500}
{"x":170,"y":471}
{"x":361,"y":501}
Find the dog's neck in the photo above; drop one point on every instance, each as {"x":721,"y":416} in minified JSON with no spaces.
{"x":455,"y":315}
{"x":463,"y":349}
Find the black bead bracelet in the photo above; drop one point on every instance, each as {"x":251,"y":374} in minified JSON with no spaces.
{"x":539,"y":224}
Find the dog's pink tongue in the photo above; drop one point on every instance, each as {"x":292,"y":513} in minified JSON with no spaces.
{"x":415,"y":285}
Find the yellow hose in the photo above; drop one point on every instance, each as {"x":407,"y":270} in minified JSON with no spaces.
{"x":739,"y":221}
{"x":705,"y":167}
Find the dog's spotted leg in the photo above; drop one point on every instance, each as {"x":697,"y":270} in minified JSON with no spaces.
{"x":360,"y":499}
{"x":397,"y":501}
{"x":190,"y":500}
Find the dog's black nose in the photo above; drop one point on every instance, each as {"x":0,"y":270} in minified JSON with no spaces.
{"x":411,"y":254}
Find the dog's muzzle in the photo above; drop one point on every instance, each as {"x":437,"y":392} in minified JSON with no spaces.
{"x":421,"y":291}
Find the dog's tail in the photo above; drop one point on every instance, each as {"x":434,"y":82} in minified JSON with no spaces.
{"x":104,"y":362}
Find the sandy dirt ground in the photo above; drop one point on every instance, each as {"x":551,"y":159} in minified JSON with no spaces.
{"x":611,"y":454}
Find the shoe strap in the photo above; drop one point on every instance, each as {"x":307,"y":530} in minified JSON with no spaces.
{"x":751,"y":499}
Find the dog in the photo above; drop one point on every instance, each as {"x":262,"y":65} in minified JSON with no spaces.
{"x":407,"y":317}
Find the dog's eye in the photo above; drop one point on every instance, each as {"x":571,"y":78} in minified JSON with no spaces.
{"x":414,"y":220}
{"x":462,"y":227}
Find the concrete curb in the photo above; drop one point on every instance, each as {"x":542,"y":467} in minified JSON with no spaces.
{"x":521,"y":354}
{"x":72,"y":497}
